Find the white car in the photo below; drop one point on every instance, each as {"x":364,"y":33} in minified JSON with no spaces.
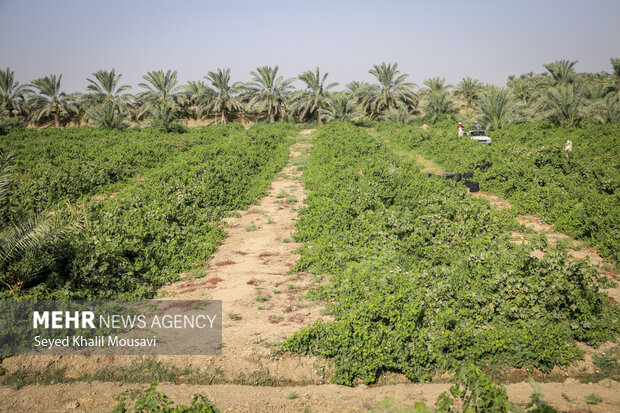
{"x":479,"y":136}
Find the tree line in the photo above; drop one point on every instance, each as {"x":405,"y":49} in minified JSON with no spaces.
{"x":559,"y":94}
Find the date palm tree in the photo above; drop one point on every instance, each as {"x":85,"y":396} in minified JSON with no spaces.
{"x":438,"y":105}
{"x":225,"y":96}
{"x":12,"y":94}
{"x":393,"y":89}
{"x":606,"y":109}
{"x":468,"y":90}
{"x":161,"y":88}
{"x":362,"y":93}
{"x":437,"y":102}
{"x":521,"y":89}
{"x":105,"y":89}
{"x":562,"y":71}
{"x":24,"y":236}
{"x":197,"y":96}
{"x":163,"y":117}
{"x":315,"y":98}
{"x":341,"y":107}
{"x":268,"y":91}
{"x":615,"y":64}
{"x":495,"y":107}
{"x":437,"y":85}
{"x":399,"y":115}
{"x":356,"y":88}
{"x":106,"y":116}
{"x":50,"y":101}
{"x":565,"y":104}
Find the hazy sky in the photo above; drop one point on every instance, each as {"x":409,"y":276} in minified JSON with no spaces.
{"x":486,"y":39}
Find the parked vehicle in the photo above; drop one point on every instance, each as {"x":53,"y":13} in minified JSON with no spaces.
{"x":479,"y":136}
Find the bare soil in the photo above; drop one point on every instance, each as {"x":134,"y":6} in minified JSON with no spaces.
{"x":98,"y":397}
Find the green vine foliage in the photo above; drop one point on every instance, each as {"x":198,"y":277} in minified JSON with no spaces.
{"x":578,"y":191}
{"x":424,"y":277}
{"x":158,"y":208}
{"x":153,"y":401}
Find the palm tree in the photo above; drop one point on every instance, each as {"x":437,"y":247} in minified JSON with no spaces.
{"x":521,"y":89}
{"x":341,"y":107}
{"x":468,"y":90}
{"x":316,"y":95}
{"x":393,"y":89}
{"x":362,"y":93}
{"x":79,"y":107}
{"x":12,"y":94}
{"x":163,"y":117}
{"x":225,"y":96}
{"x":437,"y":85}
{"x":50,"y":100}
{"x":562,"y":71}
{"x":5,"y":122}
{"x":356,"y":88}
{"x":106,"y":90}
{"x":564,"y":104}
{"x":399,"y":115}
{"x":606,"y":109}
{"x":268,"y":92}
{"x":22,"y":237}
{"x":596,"y":90}
{"x":495,"y":107}
{"x":438,"y":105}
{"x":106,"y":116}
{"x":197,"y":96}
{"x":161,"y":88}
{"x":615,"y":63}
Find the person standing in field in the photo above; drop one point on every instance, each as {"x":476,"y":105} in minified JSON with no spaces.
{"x":460,"y":128}
{"x":478,"y":126}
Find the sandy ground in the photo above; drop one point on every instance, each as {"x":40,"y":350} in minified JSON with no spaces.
{"x":98,"y":397}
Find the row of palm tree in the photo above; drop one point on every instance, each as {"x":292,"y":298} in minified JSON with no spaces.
{"x":560,"y":94}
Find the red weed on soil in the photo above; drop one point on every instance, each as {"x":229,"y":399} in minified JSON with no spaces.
{"x":212,"y":282}
{"x":274,"y":319}
{"x":267,"y":254}
{"x":227,"y":262}
{"x":296,"y":318}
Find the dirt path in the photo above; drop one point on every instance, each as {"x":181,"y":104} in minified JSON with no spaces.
{"x":98,"y":397}
{"x":250,"y":273}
